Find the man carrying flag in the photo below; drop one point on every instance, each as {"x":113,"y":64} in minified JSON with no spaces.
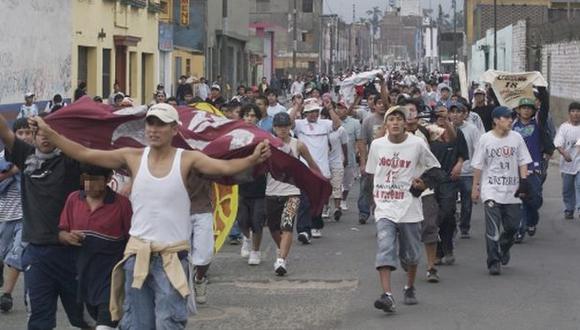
{"x":153,"y":272}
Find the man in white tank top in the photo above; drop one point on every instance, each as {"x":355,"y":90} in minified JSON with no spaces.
{"x":154,"y":269}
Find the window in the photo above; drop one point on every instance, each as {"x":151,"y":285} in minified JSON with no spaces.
{"x":262,"y":5}
{"x":106,"y":72}
{"x":177,"y":68}
{"x":225,"y":8}
{"x":166,"y":10}
{"x":82,"y":69}
{"x":307,"y":6}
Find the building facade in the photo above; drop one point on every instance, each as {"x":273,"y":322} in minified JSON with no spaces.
{"x":274,"y":19}
{"x":226,"y":39}
{"x":35,"y":52}
{"x":116,"y":41}
{"x":182,"y":26}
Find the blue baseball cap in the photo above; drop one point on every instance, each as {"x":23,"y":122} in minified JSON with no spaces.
{"x":501,"y":111}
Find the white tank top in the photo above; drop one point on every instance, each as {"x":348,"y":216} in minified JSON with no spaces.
{"x":278,"y":188}
{"x":160,"y":205}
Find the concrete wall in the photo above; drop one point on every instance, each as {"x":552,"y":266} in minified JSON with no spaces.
{"x":519,"y":42}
{"x":477,"y":63}
{"x":35,"y":46}
{"x":561,"y":67}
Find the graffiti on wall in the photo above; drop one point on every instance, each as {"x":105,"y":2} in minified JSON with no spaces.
{"x":35,"y":49}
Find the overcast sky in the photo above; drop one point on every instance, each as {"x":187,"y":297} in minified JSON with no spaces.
{"x":344,"y":7}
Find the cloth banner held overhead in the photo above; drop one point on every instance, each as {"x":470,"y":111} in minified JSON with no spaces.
{"x":98,"y":126}
{"x":510,"y":87}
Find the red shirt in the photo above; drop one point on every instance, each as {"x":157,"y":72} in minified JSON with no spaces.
{"x":111,"y":220}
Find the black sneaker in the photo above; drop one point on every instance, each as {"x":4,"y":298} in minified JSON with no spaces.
{"x":337,"y":214}
{"x":569,"y":215}
{"x":532,"y":230}
{"x":494,"y":269}
{"x":432,"y":275}
{"x":519,"y":238}
{"x":505,"y":258}
{"x":304,"y":238}
{"x":362,"y":220}
{"x":386,"y":302}
{"x":410,"y":298}
{"x":6,"y":302}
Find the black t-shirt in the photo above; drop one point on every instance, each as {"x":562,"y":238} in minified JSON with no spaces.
{"x":485,"y":114}
{"x":44,"y":193}
{"x":254,"y":189}
{"x":448,"y":153}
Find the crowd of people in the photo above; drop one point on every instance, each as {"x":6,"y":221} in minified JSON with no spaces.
{"x":416,"y":147}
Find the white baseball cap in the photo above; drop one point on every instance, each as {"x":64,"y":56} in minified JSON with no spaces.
{"x":311,"y":104}
{"x":29,"y":94}
{"x":165,"y":112}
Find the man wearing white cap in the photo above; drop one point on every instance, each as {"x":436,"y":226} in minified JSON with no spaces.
{"x":313,"y":132}
{"x":153,"y":272}
{"x":482,"y":109}
{"x":215,"y":96}
{"x":28,"y":109}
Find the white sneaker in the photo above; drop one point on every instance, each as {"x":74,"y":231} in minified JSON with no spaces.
{"x":255,"y":258}
{"x":246,"y":247}
{"x":316,"y":233}
{"x":343,"y":205}
{"x":326,"y":211}
{"x":200,"y":290}
{"x":280,"y":267}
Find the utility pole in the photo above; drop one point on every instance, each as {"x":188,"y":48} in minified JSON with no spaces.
{"x":495,"y":34}
{"x":454,"y":36}
{"x":295,"y":43}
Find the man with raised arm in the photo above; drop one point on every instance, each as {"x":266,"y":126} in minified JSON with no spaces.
{"x":153,"y":272}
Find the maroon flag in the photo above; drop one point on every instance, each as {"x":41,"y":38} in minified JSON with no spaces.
{"x":99,"y":126}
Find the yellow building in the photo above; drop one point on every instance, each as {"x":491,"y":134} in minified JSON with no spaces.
{"x":115,"y":41}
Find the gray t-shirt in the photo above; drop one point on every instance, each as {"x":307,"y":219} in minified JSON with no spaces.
{"x":370,"y":127}
{"x":472,"y":135}
{"x":354,"y":130}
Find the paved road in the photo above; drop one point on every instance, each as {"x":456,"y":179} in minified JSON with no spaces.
{"x":332,"y":284}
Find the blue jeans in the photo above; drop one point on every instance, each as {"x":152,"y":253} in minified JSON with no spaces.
{"x":531,"y":205}
{"x":464,"y":184}
{"x":235,"y":231}
{"x":365,"y":198}
{"x":571,"y":191}
{"x":157,"y":305}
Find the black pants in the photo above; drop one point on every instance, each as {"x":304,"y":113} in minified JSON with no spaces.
{"x":306,"y":221}
{"x":497,"y":216}
{"x":446,"y":195}
{"x":50,"y":273}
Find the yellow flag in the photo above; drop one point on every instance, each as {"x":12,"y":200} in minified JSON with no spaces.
{"x":225,"y":212}
{"x":225,"y":198}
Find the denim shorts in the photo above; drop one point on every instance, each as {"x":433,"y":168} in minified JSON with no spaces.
{"x":11,"y":246}
{"x":404,"y":237}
